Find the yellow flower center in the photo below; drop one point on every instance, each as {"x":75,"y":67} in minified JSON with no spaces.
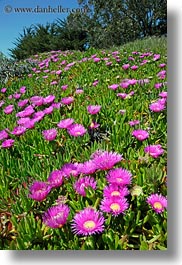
{"x":115,"y":207}
{"x":77,"y":133}
{"x":119,"y":180}
{"x":158,"y":205}
{"x":115,"y":193}
{"x":89,"y":224}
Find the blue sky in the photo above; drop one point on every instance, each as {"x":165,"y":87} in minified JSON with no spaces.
{"x":12,"y":23}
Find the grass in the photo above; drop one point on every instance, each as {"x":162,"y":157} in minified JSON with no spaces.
{"x":32,"y":158}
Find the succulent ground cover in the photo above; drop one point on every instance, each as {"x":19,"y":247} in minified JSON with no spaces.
{"x":83,"y":151}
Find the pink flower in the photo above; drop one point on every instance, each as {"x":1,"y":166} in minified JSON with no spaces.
{"x":22,"y":103}
{"x":67,"y":100}
{"x":56,"y":216}
{"x":124,"y":84}
{"x":95,"y":82}
{"x":48,"y":99}
{"x":7,"y":143}
{"x":156,"y":107}
{"x":22,"y":90}
{"x":122,"y":95}
{"x":106,"y":160}
{"x":3,"y":90}
{"x":140,"y":134}
{"x":93,"y":109}
{"x":9,"y":109}
{"x":69,"y":169}
{"x":79,"y":91}
{"x":154,"y":150}
{"x":87,"y":167}
{"x":94,"y":125}
{"x":64,"y":87}
{"x":88,"y":222}
{"x":39,"y":190}
{"x":125,"y":66}
{"x":113,"y":190}
{"x":157,"y":202}
{"x":134,"y":122}
{"x":50,"y":134}
{"x":114,"y":205}
{"x":64,"y":124}
{"x":114,"y":86}
{"x":19,"y":130}
{"x":163,"y":94}
{"x":158,"y":85}
{"x":3,"y":135}
{"x":134,"y":67}
{"x":48,"y":110}
{"x":38,"y":116}
{"x":82,"y":183}
{"x":76,"y":130}
{"x":28,"y":111}
{"x":156,"y":57}
{"x":56,"y":178}
{"x":119,"y":176}
{"x":37,"y":100}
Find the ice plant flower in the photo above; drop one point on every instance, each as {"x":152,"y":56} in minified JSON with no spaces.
{"x":114,"y":205}
{"x":124,"y":84}
{"x":19,"y":130}
{"x":38,"y":116}
{"x":56,"y":178}
{"x":125,"y":66}
{"x":49,"y":99}
{"x":7,"y":143}
{"x":134,"y":67}
{"x":88,"y":167}
{"x":140,"y":134}
{"x":88,"y":222}
{"x":93,"y":109}
{"x":76,"y":130}
{"x":83,"y":183}
{"x":113,"y":190}
{"x":39,"y":190}
{"x":163,"y":94}
{"x":106,"y":160}
{"x":134,"y":122}
{"x":37,"y":100}
{"x":67,"y":100}
{"x":156,"y":106}
{"x":3,"y":135}
{"x":9,"y":109}
{"x":154,"y":150}
{"x":119,"y":176}
{"x":28,"y":111}
{"x":56,"y":216}
{"x":69,"y":169}
{"x":157,"y":202}
{"x":113,"y":87}
{"x":22,"y":103}
{"x":48,"y":110}
{"x":50,"y":134}
{"x":64,"y":124}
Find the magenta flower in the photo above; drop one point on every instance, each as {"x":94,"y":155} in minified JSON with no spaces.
{"x":39,"y":190}
{"x":124,"y":84}
{"x":134,"y":122}
{"x":125,"y":66}
{"x":95,"y":82}
{"x":28,"y":111}
{"x":132,"y":81}
{"x":1,"y":103}
{"x":140,"y":134}
{"x":9,"y":109}
{"x":48,"y":110}
{"x":56,"y":216}
{"x":113,"y":190}
{"x":56,"y":105}
{"x":3,"y":90}
{"x":37,"y":100}
{"x":114,"y":205}
{"x":122,"y":95}
{"x":56,"y":178}
{"x":157,"y":202}
{"x":22,"y":90}
{"x":163,"y":94}
{"x":3,"y":135}
{"x":67,"y":100}
{"x":134,"y":67}
{"x":158,"y":85}
{"x":82,"y":183}
{"x":69,"y":169}
{"x":50,"y":134}
{"x":79,"y":91}
{"x":76,"y":130}
{"x":162,"y":65}
{"x":154,"y":150}
{"x":106,"y":160}
{"x":94,"y":125}
{"x":17,"y":95}
{"x":29,"y":124}
{"x":19,"y":130}
{"x":22,"y":103}
{"x":88,"y":222}
{"x":64,"y":124}
{"x":119,"y":176}
{"x":38,"y":116}
{"x":113,"y":87}
{"x":156,"y":106}
{"x":93,"y":109}
{"x":7,"y":143}
{"x":64,"y":87}
{"x":49,"y":99}
{"x":156,"y":57}
{"x":87,"y":167}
